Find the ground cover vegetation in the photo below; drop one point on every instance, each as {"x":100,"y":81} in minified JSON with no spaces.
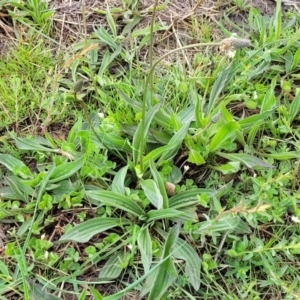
{"x":146,"y":157}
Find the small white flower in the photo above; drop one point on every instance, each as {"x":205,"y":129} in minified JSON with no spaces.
{"x":101,"y":115}
{"x":295,"y":219}
{"x":230,"y":53}
{"x":186,"y":168}
{"x":255,"y":95}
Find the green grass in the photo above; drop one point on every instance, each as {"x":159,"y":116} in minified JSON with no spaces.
{"x":25,"y":73}
{"x":185,"y":188}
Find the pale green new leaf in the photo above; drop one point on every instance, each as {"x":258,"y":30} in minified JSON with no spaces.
{"x":224,"y":133}
{"x":152,"y":192}
{"x":84,"y":231}
{"x":117,"y":185}
{"x":195,"y":157}
{"x":142,"y":131}
{"x":230,"y":168}
{"x":160,"y":183}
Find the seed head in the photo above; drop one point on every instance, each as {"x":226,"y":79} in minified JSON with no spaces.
{"x":232,"y":43}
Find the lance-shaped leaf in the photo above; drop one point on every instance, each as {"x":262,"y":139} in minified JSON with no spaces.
{"x":248,"y":160}
{"x":116,"y":200}
{"x":152,"y":192}
{"x":66,"y":170}
{"x":225,"y":132}
{"x":84,"y":231}
{"x":166,"y":274}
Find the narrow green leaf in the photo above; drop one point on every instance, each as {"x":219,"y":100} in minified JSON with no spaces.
{"x":112,"y":141}
{"x":295,"y":107}
{"x":4,"y":269}
{"x":166,"y":273}
{"x":96,"y":294}
{"x":188,"y":198}
{"x":111,"y":22}
{"x":248,"y":160}
{"x":296,"y":60}
{"x":116,"y":200}
{"x":106,"y":38}
{"x":224,"y":133}
{"x":283,"y":155}
{"x":193,"y":262}
{"x":66,"y":170}
{"x":84,"y":231}
{"x":142,"y":131}
{"x":20,"y":189}
{"x":152,"y":192}
{"x":195,"y":157}
{"x":277,"y":20}
{"x":158,"y":152}
{"x":33,"y":144}
{"x":145,"y":247}
{"x":269,"y":100}
{"x":227,"y":222}
{"x":230,"y":168}
{"x":14,"y":165}
{"x":247,"y":123}
{"x":145,"y":31}
{"x":222,"y":80}
{"x":176,"y":141}
{"x":107,"y":59}
{"x":160,"y":183}
{"x":117,"y":185}
{"x":38,"y":292}
{"x":112,"y":268}
{"x":168,"y":213}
